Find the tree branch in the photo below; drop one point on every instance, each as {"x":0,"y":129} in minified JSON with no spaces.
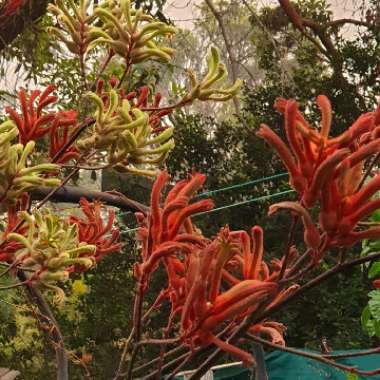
{"x":72,"y":194}
{"x":229,"y":49}
{"x":45,"y":316}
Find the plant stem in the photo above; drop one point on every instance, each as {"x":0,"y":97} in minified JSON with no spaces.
{"x":289,"y":245}
{"x":46,"y":316}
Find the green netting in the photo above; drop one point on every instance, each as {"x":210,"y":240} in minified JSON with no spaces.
{"x":286,"y":366}
{"x":232,"y":373}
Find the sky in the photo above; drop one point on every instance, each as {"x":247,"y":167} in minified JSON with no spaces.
{"x":183,"y":11}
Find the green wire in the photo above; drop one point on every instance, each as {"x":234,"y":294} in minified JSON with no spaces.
{"x":244,"y":184}
{"x":237,"y":186}
{"x":252,"y":200}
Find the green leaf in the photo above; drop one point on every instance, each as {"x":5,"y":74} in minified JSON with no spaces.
{"x":370,"y":328}
{"x":376,"y":216}
{"x":374,"y":304}
{"x":352,"y":376}
{"x":374,"y":270}
{"x":374,"y":245}
{"x":366,"y":315}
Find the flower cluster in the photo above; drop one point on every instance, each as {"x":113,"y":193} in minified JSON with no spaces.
{"x":132,"y":144}
{"x":329,"y":171}
{"x":126,"y":31}
{"x":76,"y":32}
{"x":16,"y":175}
{"x":131,"y":33}
{"x":212,"y":284}
{"x":93,"y":230}
{"x":34,"y":122}
{"x":50,"y":247}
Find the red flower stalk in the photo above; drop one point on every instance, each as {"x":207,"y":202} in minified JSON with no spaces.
{"x":207,"y":307}
{"x":10,"y":7}
{"x":33,"y":123}
{"x":9,"y":248}
{"x":274,"y":330}
{"x":62,"y":128}
{"x":141,"y":101}
{"x":376,"y":284}
{"x":329,"y":170}
{"x":92,"y":229}
{"x":212,"y":285}
{"x":312,"y":158}
{"x":168,"y":231}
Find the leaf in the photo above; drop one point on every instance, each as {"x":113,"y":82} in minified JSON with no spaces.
{"x":365,"y":317}
{"x":374,"y":245}
{"x":374,"y":270}
{"x":376,"y":216}
{"x":374,"y":304}
{"x":371,"y":328}
{"x":352,"y":376}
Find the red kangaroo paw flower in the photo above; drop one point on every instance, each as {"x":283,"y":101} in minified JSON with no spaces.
{"x":272,"y":329}
{"x":311,"y":235}
{"x":296,"y":179}
{"x":200,"y":206}
{"x":93,"y":230}
{"x":352,"y":237}
{"x":257,"y":252}
{"x":363,"y":124}
{"x":235,"y":309}
{"x":359,"y":199}
{"x":238,"y":292}
{"x":324,"y":172}
{"x":240,"y":354}
{"x":33,"y":123}
{"x":376,"y":284}
{"x":159,"y":184}
{"x":325,"y":108}
{"x":290,"y":128}
{"x":363,"y":212}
